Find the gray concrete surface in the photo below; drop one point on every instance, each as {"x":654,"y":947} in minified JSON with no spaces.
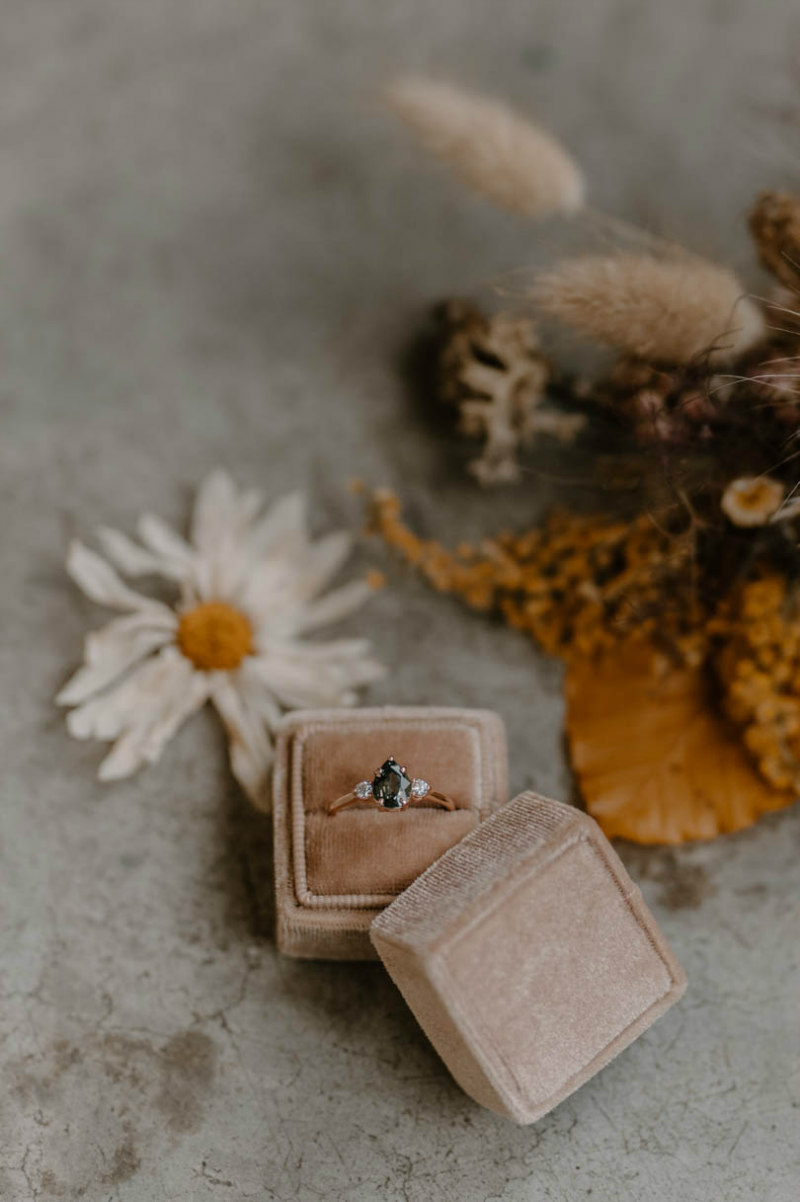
{"x":213,"y":249}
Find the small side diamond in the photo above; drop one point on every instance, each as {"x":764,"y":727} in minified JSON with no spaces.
{"x":419,"y":788}
{"x":363,"y":789}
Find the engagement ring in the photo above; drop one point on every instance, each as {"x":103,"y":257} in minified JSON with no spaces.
{"x":392,"y":788}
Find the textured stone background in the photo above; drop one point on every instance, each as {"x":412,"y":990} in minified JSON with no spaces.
{"x":213,"y":249}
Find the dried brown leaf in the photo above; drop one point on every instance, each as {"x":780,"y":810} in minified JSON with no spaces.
{"x":655,"y":761}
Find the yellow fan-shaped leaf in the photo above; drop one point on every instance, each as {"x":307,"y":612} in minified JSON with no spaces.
{"x":655,"y":760}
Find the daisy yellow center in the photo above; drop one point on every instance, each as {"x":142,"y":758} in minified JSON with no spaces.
{"x":215,"y":637}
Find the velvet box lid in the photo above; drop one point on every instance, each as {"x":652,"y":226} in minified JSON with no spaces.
{"x":528,"y":956}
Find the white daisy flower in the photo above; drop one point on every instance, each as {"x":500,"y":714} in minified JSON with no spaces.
{"x":249,"y":592}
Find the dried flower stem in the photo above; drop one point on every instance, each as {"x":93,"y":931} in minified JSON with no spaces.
{"x":577,"y":585}
{"x":758,"y":664}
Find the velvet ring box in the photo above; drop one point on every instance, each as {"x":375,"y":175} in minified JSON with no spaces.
{"x":528,"y":956}
{"x":335,"y":872}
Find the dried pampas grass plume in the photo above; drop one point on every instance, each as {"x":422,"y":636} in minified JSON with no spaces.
{"x":508,"y":159}
{"x":663,"y":310}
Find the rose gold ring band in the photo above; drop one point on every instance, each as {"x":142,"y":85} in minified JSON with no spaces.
{"x":393,"y":788}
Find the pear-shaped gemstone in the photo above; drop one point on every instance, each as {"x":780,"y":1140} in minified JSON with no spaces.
{"x":391,"y":786}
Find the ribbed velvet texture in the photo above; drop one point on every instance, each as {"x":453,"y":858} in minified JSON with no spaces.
{"x":528,"y":956}
{"x":334,"y":873}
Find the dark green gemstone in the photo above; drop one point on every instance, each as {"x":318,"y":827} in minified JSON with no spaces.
{"x":391,"y":786}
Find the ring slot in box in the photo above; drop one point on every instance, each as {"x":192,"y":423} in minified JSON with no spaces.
{"x":528,"y":956}
{"x":335,"y":872}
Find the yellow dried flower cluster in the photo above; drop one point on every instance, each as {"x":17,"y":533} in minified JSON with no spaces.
{"x":577,"y":584}
{"x":758,"y":665}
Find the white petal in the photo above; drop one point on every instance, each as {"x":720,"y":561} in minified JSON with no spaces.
{"x":199,"y":586}
{"x":283,"y":528}
{"x":333,"y":607}
{"x":160,"y":538}
{"x":267,"y":592}
{"x":222,"y":575}
{"x":113,"y":650}
{"x":247,"y":712}
{"x":167,"y":696}
{"x":298,"y":687}
{"x":258,"y":699}
{"x":278,"y":591}
{"x":219,"y":528}
{"x":250,"y":502}
{"x":216,"y":512}
{"x":334,"y":650}
{"x":99,"y":581}
{"x":302,"y":677}
{"x":129,"y":557}
{"x":107,"y":715}
{"x":321,"y":563}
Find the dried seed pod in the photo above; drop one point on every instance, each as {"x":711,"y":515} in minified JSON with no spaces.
{"x":493,"y":149}
{"x":674,"y":405}
{"x":666,"y":311}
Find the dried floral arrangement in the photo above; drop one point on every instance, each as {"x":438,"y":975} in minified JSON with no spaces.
{"x":678,"y":620}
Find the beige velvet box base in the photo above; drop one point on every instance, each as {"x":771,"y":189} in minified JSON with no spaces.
{"x":528,"y":956}
{"x":334,"y":873}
